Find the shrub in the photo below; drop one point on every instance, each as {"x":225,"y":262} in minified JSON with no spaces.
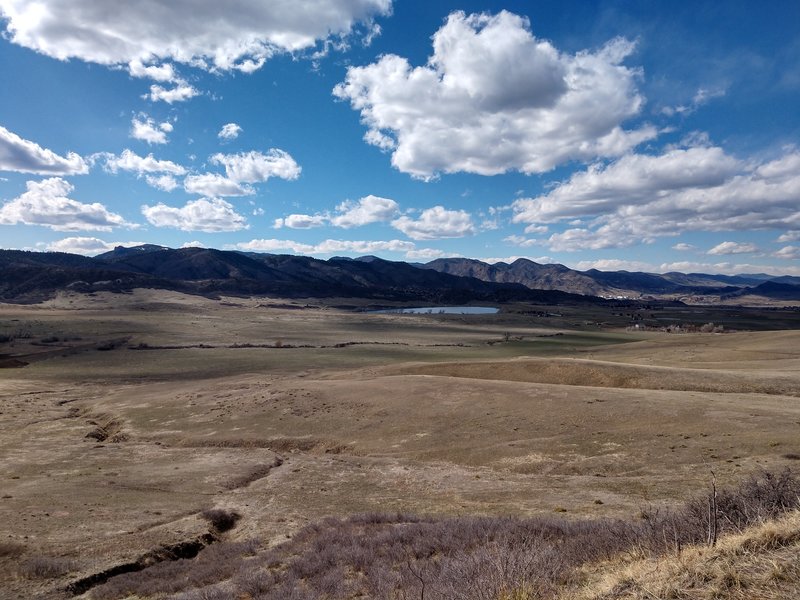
{"x":398,"y":555}
{"x":46,"y":567}
{"x":221,"y":520}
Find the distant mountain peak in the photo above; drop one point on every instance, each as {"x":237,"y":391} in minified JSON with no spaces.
{"x":124,"y":251}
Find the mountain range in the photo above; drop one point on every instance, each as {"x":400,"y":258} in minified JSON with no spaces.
{"x":609,"y":283}
{"x":30,"y":276}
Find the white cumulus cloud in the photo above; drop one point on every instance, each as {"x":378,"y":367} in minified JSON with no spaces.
{"x":789,"y":236}
{"x":300,"y":221}
{"x":788,"y":253}
{"x":427,"y":254}
{"x":24,"y":156}
{"x":252,"y":167}
{"x":733,"y":248}
{"x":723,"y":268}
{"x":369,"y":209}
{"x":240,"y":170}
{"x":215,"y":185}
{"x":229,"y":131}
{"x":163,"y":72}
{"x":521,"y":241}
{"x":206,"y":214}
{"x":165,"y":183}
{"x":128,"y":160}
{"x":159,"y":174}
{"x":327,"y":246}
{"x":181,"y":92}
{"x":46,"y":203}
{"x":493,"y":98}
{"x":436,"y":223}
{"x":633,"y":179}
{"x":616,"y":264}
{"x":639,"y":198}
{"x":238,"y":34}
{"x":88,"y":246}
{"x":146,"y":129}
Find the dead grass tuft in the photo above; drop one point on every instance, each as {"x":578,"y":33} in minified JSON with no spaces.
{"x":46,"y":567}
{"x":763,"y":563}
{"x":11,"y":549}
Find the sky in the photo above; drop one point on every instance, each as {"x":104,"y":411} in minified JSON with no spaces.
{"x":647,"y":135}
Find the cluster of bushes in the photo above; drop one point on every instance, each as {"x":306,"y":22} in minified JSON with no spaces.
{"x":406,"y":556}
{"x":19,"y":334}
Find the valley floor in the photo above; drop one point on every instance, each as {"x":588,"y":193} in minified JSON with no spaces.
{"x":124,"y":417}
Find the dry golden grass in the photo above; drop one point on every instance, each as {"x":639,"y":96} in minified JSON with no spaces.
{"x":107,"y":454}
{"x":761,"y":563}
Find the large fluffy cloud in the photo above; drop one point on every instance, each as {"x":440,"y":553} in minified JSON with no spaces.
{"x":158,"y":173}
{"x":146,"y":129}
{"x":46,"y":203}
{"x":436,"y":223}
{"x":181,"y":92}
{"x":140,"y":165}
{"x":210,"y":215}
{"x":23,"y":156}
{"x":494,"y":98}
{"x":240,"y":170}
{"x":215,"y":185}
{"x":639,"y":198}
{"x":369,"y":209}
{"x":238,"y":34}
{"x":301,"y":221}
{"x":252,"y":167}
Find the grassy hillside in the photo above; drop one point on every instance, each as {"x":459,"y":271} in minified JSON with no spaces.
{"x":661,"y":554}
{"x":762,"y":562}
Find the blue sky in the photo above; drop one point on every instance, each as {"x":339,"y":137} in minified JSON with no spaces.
{"x":619,"y":135}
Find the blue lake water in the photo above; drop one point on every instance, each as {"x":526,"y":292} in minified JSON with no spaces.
{"x":442,"y":310}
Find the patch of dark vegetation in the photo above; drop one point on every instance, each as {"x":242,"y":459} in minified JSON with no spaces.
{"x":173,"y":552}
{"x":12,"y":363}
{"x":791,"y":456}
{"x":106,"y":346}
{"x":377,"y":555}
{"x":145,"y":346}
{"x":281,"y":345}
{"x":285,"y":306}
{"x":221,"y":520}
{"x":215,"y":563}
{"x":253,"y":474}
{"x":46,"y":567}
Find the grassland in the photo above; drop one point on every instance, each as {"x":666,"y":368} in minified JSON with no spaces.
{"x":124,"y":417}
